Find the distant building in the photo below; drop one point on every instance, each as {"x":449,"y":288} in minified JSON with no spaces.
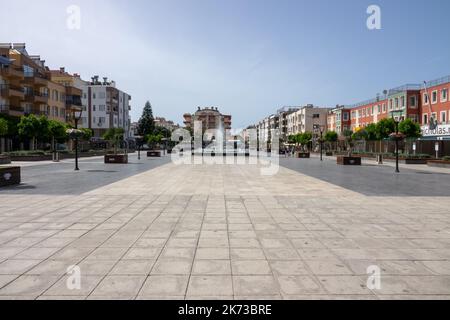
{"x":338,"y":120}
{"x":306,"y":118}
{"x":168,"y":124}
{"x":211,"y":119}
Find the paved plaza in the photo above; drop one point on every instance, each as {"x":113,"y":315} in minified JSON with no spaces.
{"x":225,"y":232}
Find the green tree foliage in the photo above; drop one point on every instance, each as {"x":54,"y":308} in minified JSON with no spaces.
{"x":57,"y":130}
{"x":331,"y":136}
{"x":146,"y":124}
{"x":114,"y":136}
{"x":86,"y":134}
{"x":410,"y":129}
{"x":154,"y":139}
{"x":384,"y":128}
{"x":3,"y":127}
{"x":371,"y":132}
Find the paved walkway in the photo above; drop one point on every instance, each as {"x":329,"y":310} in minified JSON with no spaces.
{"x":224,"y":232}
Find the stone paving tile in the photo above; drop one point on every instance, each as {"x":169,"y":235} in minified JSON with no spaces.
{"x":119,"y":286}
{"x":165,"y":286}
{"x":238,"y":236}
{"x":210,"y":286}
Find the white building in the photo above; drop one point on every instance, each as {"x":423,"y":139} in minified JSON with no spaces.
{"x":306,"y":118}
{"x":104,"y":106}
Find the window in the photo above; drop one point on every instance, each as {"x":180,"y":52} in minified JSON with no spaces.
{"x":101,"y":95}
{"x":94,"y":96}
{"x":316,"y":116}
{"x":396,"y":103}
{"x":444,"y":95}
{"x":93,"y":107}
{"x":434,"y":96}
{"x":425,"y":119}
{"x":84,"y":95}
{"x":434,"y":116}
{"x":378,"y":109}
{"x":413,"y":102}
{"x":345,"y":116}
{"x":425,"y":98}
{"x":101,"y":108}
{"x":443,"y":116}
{"x":101,"y":120}
{"x":384,"y":107}
{"x":390,"y":104}
{"x":402,"y":99}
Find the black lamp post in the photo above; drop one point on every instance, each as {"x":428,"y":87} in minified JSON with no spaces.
{"x":139,"y":140}
{"x":396,"y":137}
{"x":77,"y":113}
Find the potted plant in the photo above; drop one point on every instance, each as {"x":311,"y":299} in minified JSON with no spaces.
{"x":349,"y":159}
{"x":331,"y":137}
{"x":9,"y":176}
{"x":115,"y":136}
{"x":303,"y":139}
{"x":153,"y":142}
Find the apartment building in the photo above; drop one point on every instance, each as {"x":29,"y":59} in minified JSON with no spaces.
{"x":211,"y":119}
{"x":27,"y":87}
{"x":338,"y":120}
{"x":167,"y":124}
{"x":306,"y":118}
{"x":435,"y":101}
{"x":283,"y":114}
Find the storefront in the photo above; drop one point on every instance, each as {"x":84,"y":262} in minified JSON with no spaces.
{"x":435,"y":142}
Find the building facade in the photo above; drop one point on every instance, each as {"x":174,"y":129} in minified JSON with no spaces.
{"x":338,"y":120}
{"x":306,"y":118}
{"x":211,"y":119}
{"x":27,"y":86}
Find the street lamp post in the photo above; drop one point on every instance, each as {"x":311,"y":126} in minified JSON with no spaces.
{"x":321,"y":128}
{"x":139,"y":140}
{"x":397,"y":137}
{"x":77,"y":116}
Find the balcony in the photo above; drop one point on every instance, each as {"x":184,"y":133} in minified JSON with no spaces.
{"x":36,"y":97}
{"x":7,"y":90}
{"x":11,"y":109}
{"x":12,"y":73}
{"x":35,"y":80}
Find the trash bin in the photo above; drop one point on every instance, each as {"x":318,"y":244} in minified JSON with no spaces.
{"x":55,"y":156}
{"x":380,"y":159}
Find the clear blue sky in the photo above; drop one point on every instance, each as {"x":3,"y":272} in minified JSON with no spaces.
{"x":247,"y":57}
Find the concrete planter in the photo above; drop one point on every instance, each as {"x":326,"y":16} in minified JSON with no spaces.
{"x":329,"y":154}
{"x":5,"y":159}
{"x":116,"y":158}
{"x":348,"y":161}
{"x":415,"y":161}
{"x":9,"y":176}
{"x":154,"y":154}
{"x":303,"y":155}
{"x":32,"y":158}
{"x":439,"y":163}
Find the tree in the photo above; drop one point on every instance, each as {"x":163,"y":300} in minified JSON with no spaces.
{"x":371,"y":132}
{"x":331,"y":137}
{"x":3,"y":127}
{"x":28,"y":127}
{"x":384,"y":128}
{"x":86,"y":134}
{"x":3,"y":132}
{"x":114,"y":136}
{"x":57,"y":132}
{"x":304,"y":139}
{"x":348,"y":136}
{"x":154,"y":139}
{"x":146,"y":124}
{"x":410,"y":129}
